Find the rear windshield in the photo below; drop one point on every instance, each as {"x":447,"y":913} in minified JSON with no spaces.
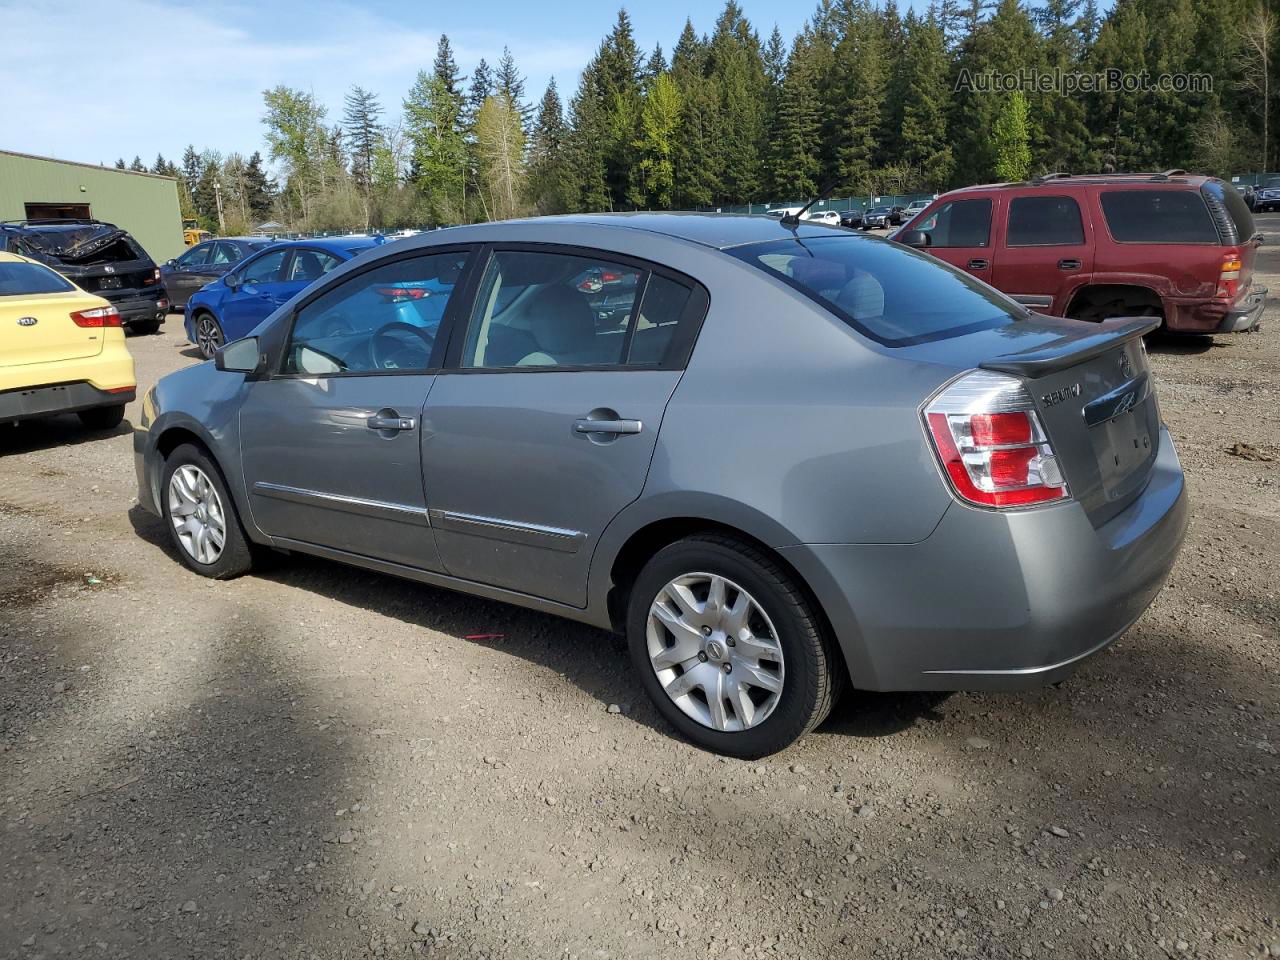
{"x":892,"y":294}
{"x":1158,"y":216}
{"x":24,"y":279}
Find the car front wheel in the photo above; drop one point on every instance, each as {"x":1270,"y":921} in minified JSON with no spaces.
{"x":201,"y":516}
{"x":729,"y":648}
{"x":209,"y":336}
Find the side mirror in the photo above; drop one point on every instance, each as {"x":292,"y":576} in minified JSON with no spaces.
{"x":241,"y":356}
{"x":171,"y":262}
{"x":231,"y":280}
{"x":915,"y":238}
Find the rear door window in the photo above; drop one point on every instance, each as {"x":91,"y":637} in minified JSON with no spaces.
{"x":894,"y":295}
{"x":959,"y":223}
{"x":1044,"y":222}
{"x":1158,"y":216}
{"x":311,"y":265}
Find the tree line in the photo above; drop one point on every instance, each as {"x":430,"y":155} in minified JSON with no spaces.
{"x":863,"y":97}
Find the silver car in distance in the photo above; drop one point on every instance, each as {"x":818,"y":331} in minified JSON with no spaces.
{"x":779,"y":458}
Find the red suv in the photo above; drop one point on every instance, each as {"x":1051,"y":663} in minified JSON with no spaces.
{"x":1170,"y":245}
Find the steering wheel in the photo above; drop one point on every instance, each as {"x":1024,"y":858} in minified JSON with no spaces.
{"x":401,"y":346}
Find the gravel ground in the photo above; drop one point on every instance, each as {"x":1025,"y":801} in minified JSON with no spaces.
{"x":321,"y":762}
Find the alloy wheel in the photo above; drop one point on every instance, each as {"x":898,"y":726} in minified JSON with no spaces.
{"x":208,"y":335}
{"x":195,"y":510}
{"x":715,"y":652}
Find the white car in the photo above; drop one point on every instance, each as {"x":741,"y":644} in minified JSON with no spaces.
{"x":823,"y":216}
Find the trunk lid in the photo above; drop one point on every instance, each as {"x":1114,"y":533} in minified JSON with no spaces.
{"x":97,"y":257}
{"x":1092,"y":389}
{"x":53,"y":335}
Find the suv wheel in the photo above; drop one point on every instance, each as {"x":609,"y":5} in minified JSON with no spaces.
{"x":728,"y":647}
{"x":201,"y":516}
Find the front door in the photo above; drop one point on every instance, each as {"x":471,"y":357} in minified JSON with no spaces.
{"x":542,"y":428}
{"x":960,"y":233}
{"x":331,"y":443}
{"x":1046,"y":252}
{"x":184,"y":276}
{"x":254,"y":292}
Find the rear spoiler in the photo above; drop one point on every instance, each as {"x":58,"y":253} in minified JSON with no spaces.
{"x":1074,"y":347}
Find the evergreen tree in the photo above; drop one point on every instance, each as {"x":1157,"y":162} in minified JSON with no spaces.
{"x":857,"y":89}
{"x":508,"y":81}
{"x":550,"y":188}
{"x":926,"y":147}
{"x":257,"y":188}
{"x":795,"y":134}
{"x":360,"y":124}
{"x":446,"y":68}
{"x":698,"y":156}
{"x":1064,"y":143}
{"x":775,"y":59}
{"x":737,"y":71}
{"x":617,"y":69}
{"x":478,"y":92}
{"x":191,"y":167}
{"x":138,"y":166}
{"x":162,"y":166}
{"x":121,"y":165}
{"x":656,"y":64}
{"x":655,"y":145}
{"x":1011,"y":139}
{"x":432,"y":119}
{"x":585,"y":146}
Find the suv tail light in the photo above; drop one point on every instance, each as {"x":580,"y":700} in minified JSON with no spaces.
{"x":99,"y":317}
{"x":991,"y":443}
{"x":152,"y":277}
{"x":1229,"y":285}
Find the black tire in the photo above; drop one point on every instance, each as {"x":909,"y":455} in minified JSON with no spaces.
{"x":814,"y":672}
{"x":145,"y":328}
{"x":237,"y":556}
{"x":102,"y":418}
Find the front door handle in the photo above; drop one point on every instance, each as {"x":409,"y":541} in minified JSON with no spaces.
{"x":1068,"y":264}
{"x":391,"y":422}
{"x":607,"y":426}
{"x":979,"y":264}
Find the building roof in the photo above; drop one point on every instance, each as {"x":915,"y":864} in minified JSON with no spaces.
{"x":91,"y":166}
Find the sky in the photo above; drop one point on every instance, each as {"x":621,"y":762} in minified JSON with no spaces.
{"x":101,"y":79}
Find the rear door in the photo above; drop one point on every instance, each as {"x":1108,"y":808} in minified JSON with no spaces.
{"x":183,"y":279}
{"x":960,"y":233}
{"x":1045,"y":251}
{"x":542,"y":426}
{"x":307,"y":265}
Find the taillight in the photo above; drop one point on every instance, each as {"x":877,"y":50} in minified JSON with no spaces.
{"x":98,"y":317}
{"x":991,"y":443}
{"x":152,"y":277}
{"x":1229,"y":283}
{"x":401,"y":294}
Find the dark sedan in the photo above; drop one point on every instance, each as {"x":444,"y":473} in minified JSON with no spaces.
{"x":204,"y":263}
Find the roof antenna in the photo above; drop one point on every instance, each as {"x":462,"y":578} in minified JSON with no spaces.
{"x":791,"y":219}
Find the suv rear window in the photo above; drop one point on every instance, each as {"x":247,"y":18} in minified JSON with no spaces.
{"x":1158,"y":216}
{"x":24,"y":279}
{"x":894,"y":295}
{"x":1238,"y":224}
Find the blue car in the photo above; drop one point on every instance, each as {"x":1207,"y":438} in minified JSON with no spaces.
{"x":231,"y":306}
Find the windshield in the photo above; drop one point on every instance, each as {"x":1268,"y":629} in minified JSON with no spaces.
{"x":1273,"y":181}
{"x":895,"y":295}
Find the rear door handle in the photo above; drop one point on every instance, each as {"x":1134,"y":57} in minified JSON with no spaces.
{"x":1068,"y":264}
{"x":607,"y":426}
{"x":979,"y":264}
{"x":382,"y":422}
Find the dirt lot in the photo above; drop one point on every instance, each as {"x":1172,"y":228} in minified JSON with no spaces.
{"x":319,"y":762}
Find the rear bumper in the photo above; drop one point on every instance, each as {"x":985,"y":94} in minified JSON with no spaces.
{"x":151,"y":303}
{"x":995,"y":601}
{"x":27,"y":403}
{"x":1247,"y":314}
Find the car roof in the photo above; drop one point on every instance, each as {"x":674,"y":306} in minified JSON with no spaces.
{"x":332,"y":244}
{"x":1054,"y":180}
{"x":718,"y":230}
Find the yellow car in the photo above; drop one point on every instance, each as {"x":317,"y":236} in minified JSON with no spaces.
{"x":61,"y":350}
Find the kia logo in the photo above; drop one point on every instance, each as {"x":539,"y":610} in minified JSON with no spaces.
{"x":27,"y":321}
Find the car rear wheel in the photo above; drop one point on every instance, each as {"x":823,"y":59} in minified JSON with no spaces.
{"x":201,"y":516}
{"x":209,"y":336}
{"x":102,"y":418}
{"x":729,"y":648}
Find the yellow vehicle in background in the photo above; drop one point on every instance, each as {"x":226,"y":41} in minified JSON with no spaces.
{"x":192,"y":234}
{"x":61,"y":350}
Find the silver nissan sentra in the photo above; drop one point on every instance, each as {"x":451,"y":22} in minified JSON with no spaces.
{"x":778,"y":457}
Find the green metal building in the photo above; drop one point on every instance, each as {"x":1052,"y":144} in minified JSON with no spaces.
{"x":145,"y":204}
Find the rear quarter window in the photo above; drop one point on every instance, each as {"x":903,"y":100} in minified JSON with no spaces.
{"x":1158,"y":216}
{"x":894,"y":295}
{"x":27,"y":279}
